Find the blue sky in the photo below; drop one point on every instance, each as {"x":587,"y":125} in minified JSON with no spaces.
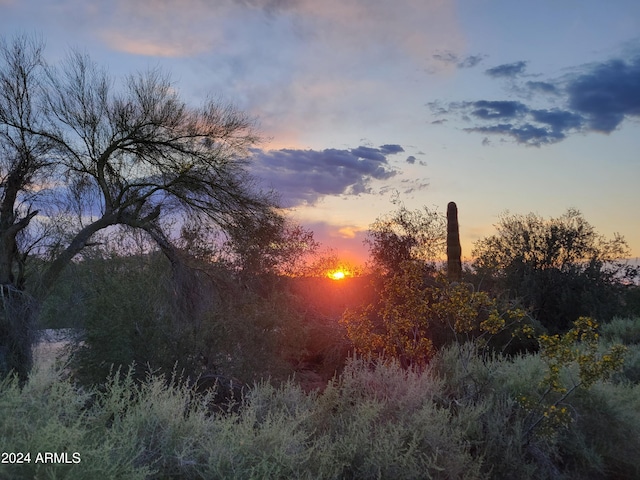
{"x":496,"y":105}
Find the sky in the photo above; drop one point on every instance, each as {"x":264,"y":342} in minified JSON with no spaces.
{"x":529,"y":106}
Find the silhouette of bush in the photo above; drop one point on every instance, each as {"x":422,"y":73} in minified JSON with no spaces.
{"x":559,"y":269}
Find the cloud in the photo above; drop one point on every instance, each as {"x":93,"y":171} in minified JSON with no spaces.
{"x":391,"y":149}
{"x":450,"y":58}
{"x":507,"y":70}
{"x":304,"y":176}
{"x":607,"y":93}
{"x":488,"y":110}
{"x":411,"y":159}
{"x":534,"y":127}
{"x":541,"y":87}
{"x":558,"y":120}
{"x":129,"y":43}
{"x":595,"y":98}
{"x":346,"y":241}
{"x":525,"y":133}
{"x":304,"y":68}
{"x":351,"y":231}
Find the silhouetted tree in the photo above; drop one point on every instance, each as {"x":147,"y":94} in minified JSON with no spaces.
{"x":75,"y":147}
{"x":269,"y":246}
{"x":406,"y":235}
{"x":559,"y":268}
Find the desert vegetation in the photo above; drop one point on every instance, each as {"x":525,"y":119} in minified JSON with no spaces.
{"x":206,"y":338}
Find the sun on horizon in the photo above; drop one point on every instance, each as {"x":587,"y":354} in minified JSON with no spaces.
{"x":337,"y":274}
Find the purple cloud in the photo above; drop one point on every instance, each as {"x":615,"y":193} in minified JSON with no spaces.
{"x":304,"y":176}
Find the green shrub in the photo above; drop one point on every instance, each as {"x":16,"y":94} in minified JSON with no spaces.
{"x":623,"y":330}
{"x":604,"y":441}
{"x":459,"y":417}
{"x":49,"y":415}
{"x":631,"y":368}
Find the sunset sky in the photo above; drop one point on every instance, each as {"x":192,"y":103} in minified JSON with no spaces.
{"x":526,"y":106}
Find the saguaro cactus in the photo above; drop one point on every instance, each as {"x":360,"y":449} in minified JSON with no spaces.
{"x":454,"y":250}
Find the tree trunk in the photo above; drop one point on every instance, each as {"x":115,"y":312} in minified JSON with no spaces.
{"x":17,"y":312}
{"x":454,"y":250}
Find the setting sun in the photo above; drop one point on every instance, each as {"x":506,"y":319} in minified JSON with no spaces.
{"x":337,"y":274}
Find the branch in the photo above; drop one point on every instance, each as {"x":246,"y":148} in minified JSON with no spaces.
{"x":80,"y":241}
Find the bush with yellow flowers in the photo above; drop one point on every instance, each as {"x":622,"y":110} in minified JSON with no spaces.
{"x":417,"y":312}
{"x":573,"y":360}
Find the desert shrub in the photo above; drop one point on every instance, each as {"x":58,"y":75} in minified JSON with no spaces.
{"x":166,"y":417}
{"x":369,"y":423}
{"x":604,"y":440}
{"x":48,"y":414}
{"x":631,"y":368}
{"x":623,"y":330}
{"x":268,"y":438}
{"x":460,"y":416}
{"x":135,"y":309}
{"x":533,"y":411}
{"x":126,"y":317}
{"x":384,"y":421}
{"x":416,"y":313}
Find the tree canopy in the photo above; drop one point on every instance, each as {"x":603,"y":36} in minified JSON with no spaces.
{"x":81,"y":152}
{"x":560,"y":268}
{"x":406,"y":235}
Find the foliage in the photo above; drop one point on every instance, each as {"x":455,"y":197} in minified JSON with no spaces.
{"x":254,"y":337}
{"x":414,"y":314}
{"x":559,"y":268}
{"x":49,"y":414}
{"x":130,"y":155}
{"x":126,"y":317}
{"x":80,"y":155}
{"x":623,"y":330}
{"x":406,"y":235}
{"x":270,"y":245}
{"x":578,"y":348}
{"x":129,"y":309}
{"x":627,"y":332}
{"x":459,"y":417}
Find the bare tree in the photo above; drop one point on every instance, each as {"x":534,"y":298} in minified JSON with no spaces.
{"x":133,"y":155}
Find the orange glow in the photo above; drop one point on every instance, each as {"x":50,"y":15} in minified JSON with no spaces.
{"x":337,"y":274}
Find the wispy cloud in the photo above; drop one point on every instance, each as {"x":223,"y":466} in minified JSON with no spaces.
{"x":451,"y":58}
{"x":488,"y":110}
{"x":508,"y":70}
{"x":541,"y":87}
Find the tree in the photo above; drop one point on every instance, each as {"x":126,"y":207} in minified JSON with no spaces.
{"x":270,"y":245}
{"x":75,"y":146}
{"x":559,"y":268}
{"x":406,"y":235}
